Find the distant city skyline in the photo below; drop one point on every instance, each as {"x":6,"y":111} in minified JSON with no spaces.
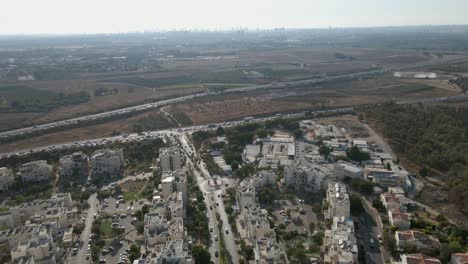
{"x":114,"y":16}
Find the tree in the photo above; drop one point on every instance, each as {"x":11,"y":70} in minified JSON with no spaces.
{"x":139,"y":215}
{"x":140,"y":227}
{"x":356,"y":205}
{"x":354,"y":153}
{"x":324,"y":151}
{"x":388,"y":166}
{"x":200,"y":254}
{"x":145,"y":209}
{"x":248,"y":253}
{"x":220,"y":131}
{"x":134,"y":253}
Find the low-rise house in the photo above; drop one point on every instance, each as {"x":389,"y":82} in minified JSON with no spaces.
{"x":35,"y":171}
{"x":391,"y":200}
{"x":423,"y":243}
{"x":107,"y":162}
{"x":6,"y":178}
{"x":384,"y":177}
{"x":459,"y":258}
{"x":348,"y":170}
{"x":74,"y":165}
{"x":418,"y":259}
{"x":399,"y":218}
{"x":337,"y":199}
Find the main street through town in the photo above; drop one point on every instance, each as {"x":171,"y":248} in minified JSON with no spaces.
{"x":81,"y":256}
{"x":214,"y":202}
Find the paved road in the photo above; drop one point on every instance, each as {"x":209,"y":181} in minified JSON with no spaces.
{"x":81,"y":255}
{"x":213,"y":199}
{"x":162,"y":103}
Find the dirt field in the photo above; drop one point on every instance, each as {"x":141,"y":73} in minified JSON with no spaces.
{"x":90,"y":132}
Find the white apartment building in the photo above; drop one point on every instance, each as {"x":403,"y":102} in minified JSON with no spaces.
{"x":170,"y":159}
{"x":307,"y":178}
{"x":338,"y":201}
{"x":176,"y":206}
{"x":175,"y":251}
{"x":340,"y":244}
{"x":245,"y":194}
{"x":35,"y":171}
{"x":174,"y":181}
{"x":107,"y":162}
{"x":6,"y":178}
{"x":40,"y":246}
{"x":348,"y":170}
{"x":76,"y":164}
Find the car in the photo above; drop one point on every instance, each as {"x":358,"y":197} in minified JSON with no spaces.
{"x":102,"y":261}
{"x":216,"y":238}
{"x":211,"y":207}
{"x":216,"y":254}
{"x":226,"y":231}
{"x":74,"y":251}
{"x":211,"y":229}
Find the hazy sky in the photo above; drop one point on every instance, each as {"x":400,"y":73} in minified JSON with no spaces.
{"x":100,"y":16}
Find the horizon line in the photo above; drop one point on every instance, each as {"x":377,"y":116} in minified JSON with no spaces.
{"x":232,"y":29}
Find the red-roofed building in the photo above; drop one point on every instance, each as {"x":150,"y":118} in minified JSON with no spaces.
{"x":424,"y":243}
{"x":418,"y":259}
{"x":390,"y":200}
{"x":459,"y":258}
{"x":399,"y":218}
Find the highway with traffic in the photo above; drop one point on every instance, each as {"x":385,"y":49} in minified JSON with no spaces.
{"x":42,"y":128}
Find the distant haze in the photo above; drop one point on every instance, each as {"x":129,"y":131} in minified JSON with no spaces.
{"x":105,"y":16}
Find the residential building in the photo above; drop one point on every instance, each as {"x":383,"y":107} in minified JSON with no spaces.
{"x":307,"y":178}
{"x":337,"y":198}
{"x":174,"y":181}
{"x":158,"y":230}
{"x":6,"y":178}
{"x":424,"y":243}
{"x":74,"y":165}
{"x":399,"y":218}
{"x":176,"y":206}
{"x":459,"y":258}
{"x":348,"y":170}
{"x":40,"y":246}
{"x":418,"y":259}
{"x":245,"y":194}
{"x":175,"y":251}
{"x":251,"y":153}
{"x":391,"y":200}
{"x":340,"y":244}
{"x":20,"y":214}
{"x":267,"y":250}
{"x":107,"y":162}
{"x":170,"y":159}
{"x":35,"y":171}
